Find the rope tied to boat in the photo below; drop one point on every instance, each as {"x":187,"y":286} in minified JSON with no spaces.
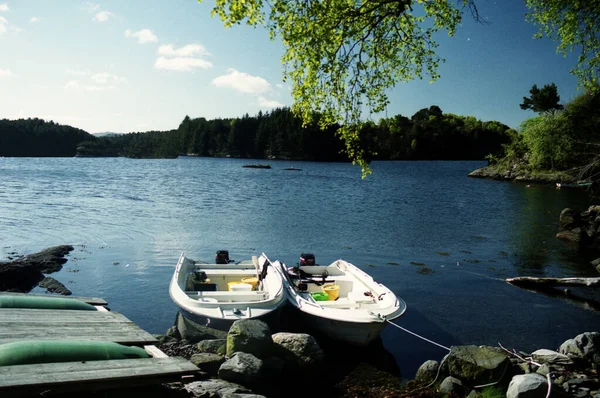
{"x":416,"y":335}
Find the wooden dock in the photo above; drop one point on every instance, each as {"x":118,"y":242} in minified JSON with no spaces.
{"x":101,"y":325}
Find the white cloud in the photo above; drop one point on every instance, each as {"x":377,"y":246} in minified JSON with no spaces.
{"x":103,"y":16}
{"x":4,"y":7}
{"x":6,"y":74}
{"x":107,"y":78}
{"x":34,"y":19}
{"x":184,"y":64}
{"x":267,"y":103}
{"x":242,"y":82}
{"x":91,"y":7}
{"x":189,"y":50}
{"x":76,"y":72}
{"x":3,"y":25}
{"x":95,"y":82}
{"x":142,"y":36}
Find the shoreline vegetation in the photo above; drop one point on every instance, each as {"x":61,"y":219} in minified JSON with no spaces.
{"x":429,"y":134}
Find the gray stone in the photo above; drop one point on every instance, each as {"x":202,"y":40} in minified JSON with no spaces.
{"x":300,"y":350}
{"x":525,"y":367}
{"x":250,"y":336}
{"x":551,"y":357}
{"x":452,"y":385}
{"x":573,"y":235}
{"x":569,"y":219}
{"x":585,"y":346}
{"x":543,"y":370}
{"x":216,"y":388}
{"x":428,"y":371}
{"x":193,"y":332}
{"x":216,"y":346}
{"x":173,"y":333}
{"x":209,"y":363}
{"x":477,"y":365}
{"x":531,"y":385}
{"x":242,"y":368}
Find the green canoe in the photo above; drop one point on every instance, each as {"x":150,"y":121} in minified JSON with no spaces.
{"x":48,"y":351}
{"x":56,"y":303}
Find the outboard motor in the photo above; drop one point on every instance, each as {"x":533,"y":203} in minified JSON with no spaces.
{"x":222,"y":257}
{"x":307,"y":259}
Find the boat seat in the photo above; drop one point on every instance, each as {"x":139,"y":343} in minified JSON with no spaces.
{"x":359,"y":297}
{"x":241,"y":296}
{"x":340,"y":303}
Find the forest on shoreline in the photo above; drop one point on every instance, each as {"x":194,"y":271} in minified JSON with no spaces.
{"x":428,"y":135}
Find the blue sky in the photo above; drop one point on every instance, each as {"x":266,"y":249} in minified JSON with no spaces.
{"x":137,"y":65}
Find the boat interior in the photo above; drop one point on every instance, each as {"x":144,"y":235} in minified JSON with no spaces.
{"x":332,"y":287}
{"x":224,"y":285}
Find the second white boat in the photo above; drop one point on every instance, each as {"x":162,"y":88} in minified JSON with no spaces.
{"x":340,"y":300}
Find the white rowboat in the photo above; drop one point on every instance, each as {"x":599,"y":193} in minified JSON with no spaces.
{"x":217,"y":295}
{"x":358,"y":314}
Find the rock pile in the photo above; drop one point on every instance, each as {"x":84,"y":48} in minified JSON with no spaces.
{"x":248,"y":358}
{"x":471,"y":371}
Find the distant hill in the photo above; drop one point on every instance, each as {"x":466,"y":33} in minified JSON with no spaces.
{"x":106,"y":134}
{"x":38,"y":138}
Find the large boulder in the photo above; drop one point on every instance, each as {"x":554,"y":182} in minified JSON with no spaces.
{"x":574,"y":235}
{"x":193,"y":332}
{"x":569,"y":219}
{"x":477,"y":365}
{"x":530,"y":385}
{"x":216,"y":388}
{"x":584,"y":346}
{"x":550,"y":357}
{"x":216,"y":346}
{"x":250,"y":336}
{"x":452,"y":386}
{"x":427,"y":372}
{"x":242,"y":368}
{"x":299,"y":350}
{"x":207,"y":362}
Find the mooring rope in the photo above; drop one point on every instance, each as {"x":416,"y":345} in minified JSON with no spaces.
{"x":416,"y":335}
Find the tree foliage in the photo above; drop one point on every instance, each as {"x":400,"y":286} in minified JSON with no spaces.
{"x":544,"y":100}
{"x":343,"y":55}
{"x":564,"y":140}
{"x":548,"y":140}
{"x":576,"y":25}
{"x":38,"y":138}
{"x":279,"y":134}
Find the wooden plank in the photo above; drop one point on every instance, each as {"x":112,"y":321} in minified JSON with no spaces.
{"x":89,"y":300}
{"x":33,"y":324}
{"x":44,"y":315}
{"x":33,"y":379}
{"x":155,"y":351}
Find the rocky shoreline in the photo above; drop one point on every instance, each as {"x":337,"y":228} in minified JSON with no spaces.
{"x":250,"y":362}
{"x":518,"y":173}
{"x":23,"y":273}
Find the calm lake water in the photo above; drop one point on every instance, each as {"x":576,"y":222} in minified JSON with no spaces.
{"x":129,"y":221}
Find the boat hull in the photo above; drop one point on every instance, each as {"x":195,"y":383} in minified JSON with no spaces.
{"x":353,"y":333}
{"x":272,"y":319}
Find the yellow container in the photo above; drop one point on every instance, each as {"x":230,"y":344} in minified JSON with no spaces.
{"x":238,"y":286}
{"x":252,"y":281}
{"x":333,"y":291}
